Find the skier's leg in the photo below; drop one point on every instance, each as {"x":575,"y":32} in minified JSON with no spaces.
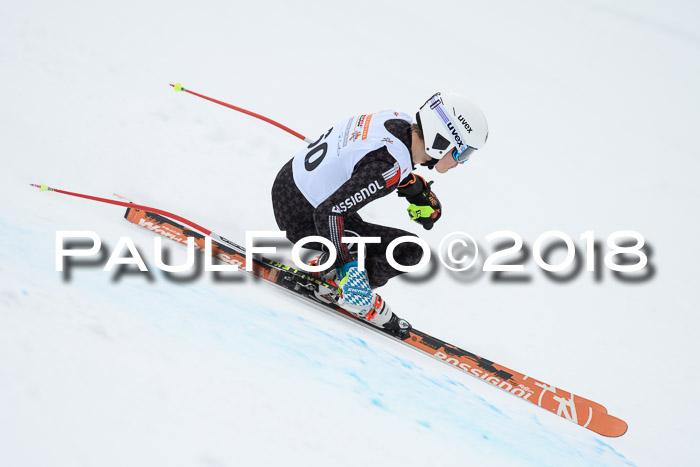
{"x":293,"y":213}
{"x":357,"y":294}
{"x":378,"y":268}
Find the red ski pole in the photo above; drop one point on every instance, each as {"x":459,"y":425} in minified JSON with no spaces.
{"x":203,"y":230}
{"x":178,"y":87}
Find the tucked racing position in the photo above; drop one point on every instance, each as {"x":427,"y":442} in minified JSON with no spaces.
{"x":363,"y":158}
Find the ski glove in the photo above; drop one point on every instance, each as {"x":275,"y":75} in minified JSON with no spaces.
{"x":425,"y":207}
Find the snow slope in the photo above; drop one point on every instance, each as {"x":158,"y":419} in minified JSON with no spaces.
{"x":217,"y":374}
{"x":592,"y":109}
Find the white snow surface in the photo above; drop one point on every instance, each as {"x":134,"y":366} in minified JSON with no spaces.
{"x":593,"y":109}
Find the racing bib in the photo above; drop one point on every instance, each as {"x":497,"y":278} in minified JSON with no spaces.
{"x":322,"y":167}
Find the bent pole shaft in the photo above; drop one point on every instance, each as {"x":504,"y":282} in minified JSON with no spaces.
{"x":188,"y":222}
{"x":178,"y":87}
{"x":193,"y":225}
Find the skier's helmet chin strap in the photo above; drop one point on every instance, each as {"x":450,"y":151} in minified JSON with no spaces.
{"x":431,"y":163}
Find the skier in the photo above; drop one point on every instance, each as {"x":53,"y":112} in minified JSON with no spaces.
{"x":361,"y":159}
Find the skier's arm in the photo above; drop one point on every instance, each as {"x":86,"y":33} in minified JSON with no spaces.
{"x":425,"y":207}
{"x":373,"y":177}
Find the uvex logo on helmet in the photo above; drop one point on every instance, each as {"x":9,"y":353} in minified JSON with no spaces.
{"x":455,"y":134}
{"x":466,"y":125}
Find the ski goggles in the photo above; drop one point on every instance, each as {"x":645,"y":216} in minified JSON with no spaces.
{"x":463,"y":156}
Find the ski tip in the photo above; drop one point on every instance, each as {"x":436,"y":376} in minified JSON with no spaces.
{"x":621,"y":428}
{"x":614,"y":427}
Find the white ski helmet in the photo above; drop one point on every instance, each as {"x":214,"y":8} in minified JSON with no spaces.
{"x":450,"y":121}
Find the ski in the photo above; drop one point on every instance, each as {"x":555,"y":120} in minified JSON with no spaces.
{"x":567,"y":405}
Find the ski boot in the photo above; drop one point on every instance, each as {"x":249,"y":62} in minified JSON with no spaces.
{"x":320,"y":259}
{"x":398,"y":327}
{"x":326,"y":294}
{"x":358,"y":298}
